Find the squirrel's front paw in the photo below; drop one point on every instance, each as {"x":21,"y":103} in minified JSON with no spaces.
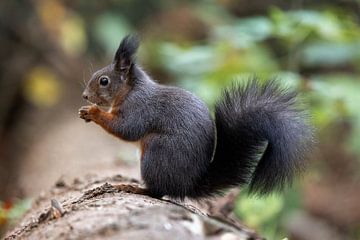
{"x":88,"y":112}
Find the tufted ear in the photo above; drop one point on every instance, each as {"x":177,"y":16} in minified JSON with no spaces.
{"x":125,"y":55}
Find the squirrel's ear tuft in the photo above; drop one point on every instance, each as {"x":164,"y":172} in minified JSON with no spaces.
{"x":124,"y":56}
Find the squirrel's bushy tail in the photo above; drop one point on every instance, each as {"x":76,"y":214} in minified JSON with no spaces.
{"x":263,"y":137}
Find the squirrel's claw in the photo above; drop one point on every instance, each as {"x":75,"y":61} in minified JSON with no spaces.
{"x":84,"y":113}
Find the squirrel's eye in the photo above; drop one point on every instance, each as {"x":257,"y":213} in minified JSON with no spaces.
{"x":104,"y":81}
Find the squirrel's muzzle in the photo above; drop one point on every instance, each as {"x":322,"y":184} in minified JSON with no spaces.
{"x":85,"y":96}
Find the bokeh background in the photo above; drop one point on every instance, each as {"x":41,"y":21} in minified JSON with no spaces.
{"x":49,"y":48}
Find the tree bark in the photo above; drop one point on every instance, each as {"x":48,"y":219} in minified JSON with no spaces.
{"x":93,"y":208}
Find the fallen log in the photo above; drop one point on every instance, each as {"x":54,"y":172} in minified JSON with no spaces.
{"x":93,"y":208}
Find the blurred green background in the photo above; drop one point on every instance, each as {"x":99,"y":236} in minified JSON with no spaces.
{"x":49,"y":48}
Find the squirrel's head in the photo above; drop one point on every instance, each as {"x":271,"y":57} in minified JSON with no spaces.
{"x":107,"y":83}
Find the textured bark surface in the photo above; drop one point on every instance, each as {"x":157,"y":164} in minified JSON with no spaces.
{"x":93,"y":208}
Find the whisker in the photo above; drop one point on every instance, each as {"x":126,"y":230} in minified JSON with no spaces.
{"x":84,"y":82}
{"x":81,"y":84}
{"x":91,"y":68}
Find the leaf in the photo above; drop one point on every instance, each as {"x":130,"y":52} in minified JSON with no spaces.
{"x":51,"y":12}
{"x":245,"y":32}
{"x":191,"y":61}
{"x":109,"y":29}
{"x":73,"y":37}
{"x":19,"y":209}
{"x":41,"y":87}
{"x":257,"y":211}
{"x":330,"y":54}
{"x":339,"y":96}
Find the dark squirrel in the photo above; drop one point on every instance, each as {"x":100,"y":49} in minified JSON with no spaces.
{"x":184,"y":152}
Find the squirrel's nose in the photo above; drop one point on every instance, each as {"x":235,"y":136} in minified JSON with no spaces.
{"x":85,"y":96}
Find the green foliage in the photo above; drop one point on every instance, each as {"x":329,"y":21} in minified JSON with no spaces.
{"x":256,"y":211}
{"x":240,"y":48}
{"x":337,"y":98}
{"x":12,"y":211}
{"x":109,"y":29}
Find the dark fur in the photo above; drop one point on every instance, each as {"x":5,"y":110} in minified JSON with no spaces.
{"x":124,"y":56}
{"x":178,"y":135}
{"x":249,"y":119}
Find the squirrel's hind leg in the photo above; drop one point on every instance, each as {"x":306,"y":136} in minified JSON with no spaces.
{"x":166,"y":168}
{"x":135,"y":189}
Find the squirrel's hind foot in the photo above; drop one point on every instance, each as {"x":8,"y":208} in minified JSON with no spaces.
{"x":135,"y":189}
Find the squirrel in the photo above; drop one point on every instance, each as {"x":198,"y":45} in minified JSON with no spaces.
{"x":260,"y":136}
